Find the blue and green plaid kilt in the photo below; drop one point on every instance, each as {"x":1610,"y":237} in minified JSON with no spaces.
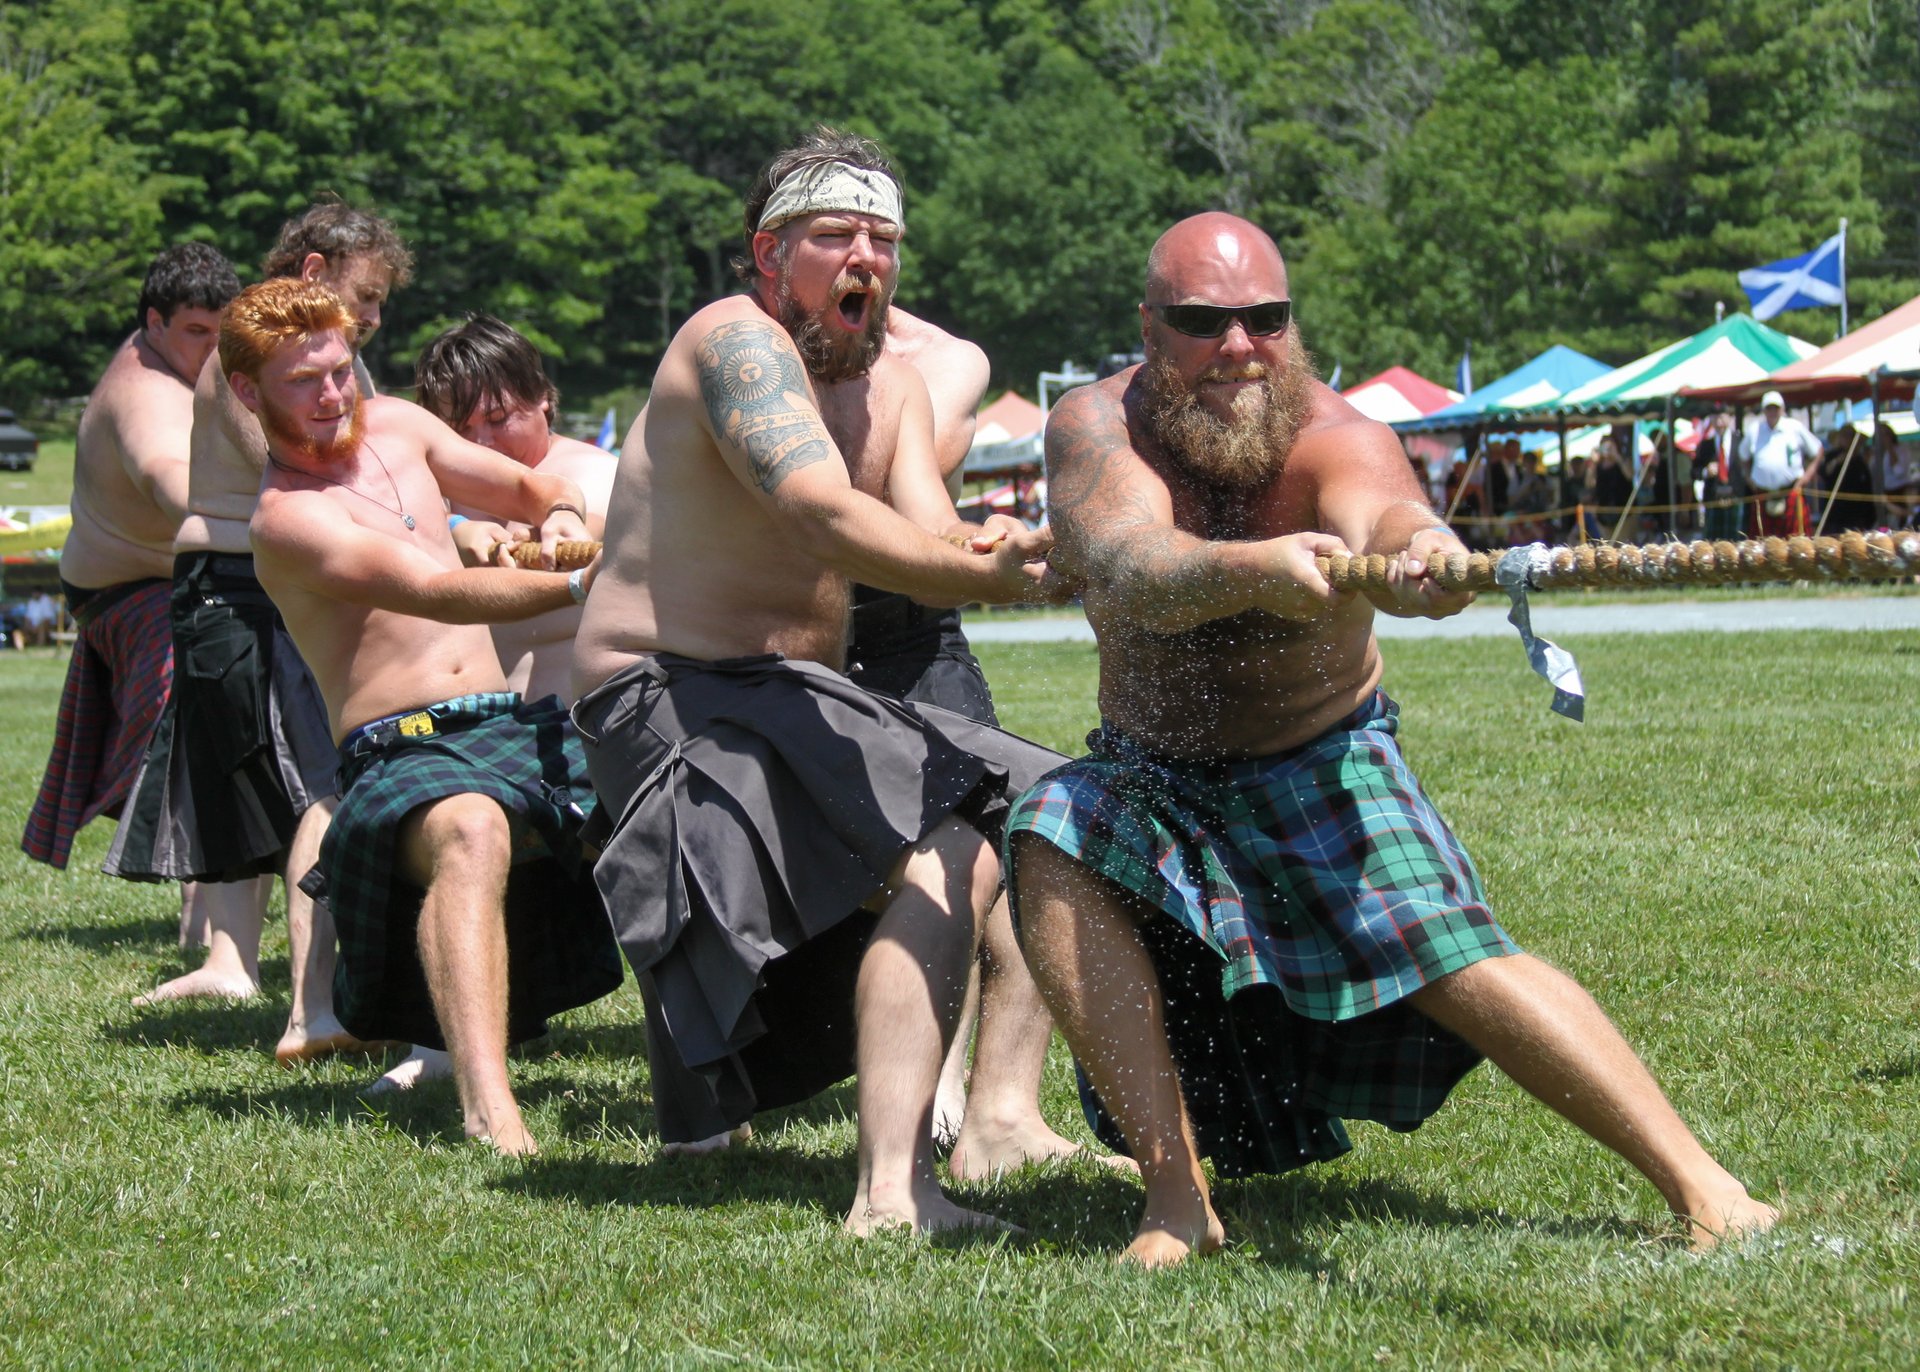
{"x":1307,"y":894}
{"x":526,"y":756}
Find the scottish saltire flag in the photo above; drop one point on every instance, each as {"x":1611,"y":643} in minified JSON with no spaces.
{"x":609,"y":435}
{"x":1798,"y":283}
{"x":1333,"y":382}
{"x":1463,"y":374}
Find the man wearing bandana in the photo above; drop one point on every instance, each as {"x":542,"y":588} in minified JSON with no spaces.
{"x":1247,"y":918}
{"x":799,"y":869}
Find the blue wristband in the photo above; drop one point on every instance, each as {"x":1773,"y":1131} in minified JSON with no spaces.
{"x":455,"y":521}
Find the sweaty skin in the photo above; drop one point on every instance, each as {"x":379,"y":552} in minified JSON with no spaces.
{"x":1218,"y":637}
{"x":737,"y":519}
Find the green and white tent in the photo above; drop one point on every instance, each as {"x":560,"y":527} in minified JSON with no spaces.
{"x":1733,"y":352}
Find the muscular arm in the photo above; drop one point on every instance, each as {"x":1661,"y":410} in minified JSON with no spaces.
{"x":769,"y":432}
{"x":1113,"y":519}
{"x":914,"y":485}
{"x":1366,"y":493}
{"x":304,"y":540}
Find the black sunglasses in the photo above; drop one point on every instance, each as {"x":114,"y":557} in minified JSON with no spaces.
{"x":1210,"y":321}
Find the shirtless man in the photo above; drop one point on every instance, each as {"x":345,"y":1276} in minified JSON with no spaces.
{"x":763,"y":799}
{"x":238,"y":781}
{"x":1246,"y":917}
{"x":129,"y":496}
{"x":487,"y":383}
{"x":920,"y":654}
{"x":453,"y":865}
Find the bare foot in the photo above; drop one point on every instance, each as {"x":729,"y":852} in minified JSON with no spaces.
{"x":712,"y":1144}
{"x":203,"y":982}
{"x":305,"y":1042}
{"x":1729,"y":1220}
{"x":1166,"y":1241}
{"x":509,"y":1138}
{"x":987,"y":1148}
{"x":418,"y":1067}
{"x":949,"y":1113}
{"x":926,"y":1212}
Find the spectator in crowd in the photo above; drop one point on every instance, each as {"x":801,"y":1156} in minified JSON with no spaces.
{"x":1785,"y":455}
{"x":1612,"y":485}
{"x":1846,"y":476}
{"x":1897,"y":475}
{"x":37,"y":618}
{"x":1719,"y":465}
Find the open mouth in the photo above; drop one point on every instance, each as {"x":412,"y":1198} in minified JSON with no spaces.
{"x":852,"y":308}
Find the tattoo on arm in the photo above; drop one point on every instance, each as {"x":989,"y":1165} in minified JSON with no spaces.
{"x":1106,"y":524}
{"x":748,"y":372}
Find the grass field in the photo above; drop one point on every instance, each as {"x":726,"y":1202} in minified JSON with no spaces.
{"x":49,"y":483}
{"x":1727,"y":854}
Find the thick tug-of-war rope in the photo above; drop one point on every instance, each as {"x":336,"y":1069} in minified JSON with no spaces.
{"x":1850,"y":556}
{"x":569,"y":554}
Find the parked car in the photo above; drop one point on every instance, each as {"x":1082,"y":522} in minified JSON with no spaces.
{"x":18,"y":446}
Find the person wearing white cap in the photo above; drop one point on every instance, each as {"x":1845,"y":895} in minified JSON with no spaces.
{"x":1785,"y":454}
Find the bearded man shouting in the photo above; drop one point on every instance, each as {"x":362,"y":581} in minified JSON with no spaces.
{"x":1246,"y":917}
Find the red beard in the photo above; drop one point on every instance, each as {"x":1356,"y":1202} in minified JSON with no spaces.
{"x":281,"y":426}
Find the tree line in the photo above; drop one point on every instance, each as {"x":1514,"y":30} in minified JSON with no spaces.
{"x":1438,"y":172}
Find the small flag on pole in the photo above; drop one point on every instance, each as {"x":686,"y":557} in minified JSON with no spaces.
{"x":609,"y":433}
{"x":1812,"y":279}
{"x":1463,"y":375}
{"x":1333,"y":382}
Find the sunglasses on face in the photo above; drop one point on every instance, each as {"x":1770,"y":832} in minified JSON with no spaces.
{"x":1210,"y":321}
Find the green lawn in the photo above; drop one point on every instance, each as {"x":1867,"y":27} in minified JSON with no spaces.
{"x":49,"y":483}
{"x":1727,"y":854}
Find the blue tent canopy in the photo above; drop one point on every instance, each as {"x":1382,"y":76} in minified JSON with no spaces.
{"x":1547,"y":377}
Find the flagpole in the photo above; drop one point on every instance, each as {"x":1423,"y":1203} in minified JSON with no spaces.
{"x":1843,"y":278}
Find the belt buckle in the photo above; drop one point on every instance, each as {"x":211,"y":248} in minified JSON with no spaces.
{"x":419,"y":724}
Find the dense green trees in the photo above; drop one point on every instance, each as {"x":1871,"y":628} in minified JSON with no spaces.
{"x":1438,"y":171}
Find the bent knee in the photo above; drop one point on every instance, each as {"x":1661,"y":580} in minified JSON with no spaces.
{"x":464,"y":833}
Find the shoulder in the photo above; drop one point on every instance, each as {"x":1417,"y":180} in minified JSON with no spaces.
{"x":288,"y":518}
{"x":1337,"y":430}
{"x":1099,"y":408}
{"x":732,"y":320}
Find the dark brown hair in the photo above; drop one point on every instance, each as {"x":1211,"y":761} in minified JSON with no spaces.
{"x":337,"y":231}
{"x":476,"y":359}
{"x":186,"y":274}
{"x":824,"y":144}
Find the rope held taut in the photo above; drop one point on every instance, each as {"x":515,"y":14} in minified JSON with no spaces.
{"x":569,"y":554}
{"x":1874,"y":556}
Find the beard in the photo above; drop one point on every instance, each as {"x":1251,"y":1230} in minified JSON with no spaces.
{"x":833,"y":355}
{"x":281,"y":426}
{"x":1247,"y":450}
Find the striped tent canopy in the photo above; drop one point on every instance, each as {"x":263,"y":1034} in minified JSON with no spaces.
{"x":1737,"y":350}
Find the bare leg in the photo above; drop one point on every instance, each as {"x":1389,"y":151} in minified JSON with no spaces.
{"x":950,"y":1097}
{"x":194,"y":932}
{"x":459,"y":849}
{"x":233,"y":910}
{"x":312,"y":1030}
{"x":417,"y":1068}
{"x":1539,"y":1027}
{"x":1099,"y":982}
{"x":1003,"y":1128}
{"x":912,"y":981}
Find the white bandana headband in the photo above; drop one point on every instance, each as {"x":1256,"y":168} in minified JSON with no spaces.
{"x":833,"y":186}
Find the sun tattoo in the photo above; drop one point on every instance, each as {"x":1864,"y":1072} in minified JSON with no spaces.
{"x":748,"y":371}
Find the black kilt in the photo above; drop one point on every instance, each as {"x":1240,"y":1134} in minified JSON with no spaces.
{"x":902,"y":648}
{"x":754,"y":804}
{"x":243,"y":746}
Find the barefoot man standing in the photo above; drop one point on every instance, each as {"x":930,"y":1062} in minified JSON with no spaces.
{"x":238,"y":780}
{"x":800,"y":870}
{"x":1246,"y":916}
{"x":129,"y":496}
{"x":453,"y":866}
